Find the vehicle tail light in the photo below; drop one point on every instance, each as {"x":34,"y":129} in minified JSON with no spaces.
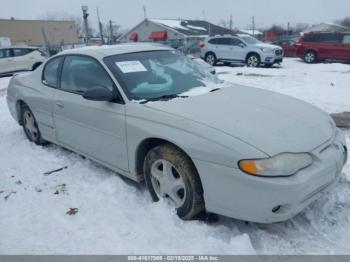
{"x":201,"y":44}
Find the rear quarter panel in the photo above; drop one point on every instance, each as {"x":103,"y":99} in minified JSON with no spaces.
{"x":27,"y":88}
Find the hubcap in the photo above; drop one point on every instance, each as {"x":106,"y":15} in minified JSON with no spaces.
{"x":30,"y":126}
{"x":210,"y":59}
{"x":167,"y":182}
{"x":309,"y":57}
{"x":253,"y":61}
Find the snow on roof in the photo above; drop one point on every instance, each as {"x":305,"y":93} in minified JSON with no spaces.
{"x":176,"y":24}
{"x":197,"y":27}
{"x":250,"y":32}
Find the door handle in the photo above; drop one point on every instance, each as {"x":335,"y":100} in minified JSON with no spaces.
{"x":59,"y":104}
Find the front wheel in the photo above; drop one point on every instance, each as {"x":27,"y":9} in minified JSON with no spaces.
{"x":253,"y":60}
{"x":310,"y":57}
{"x":30,"y":126}
{"x":170,"y":174}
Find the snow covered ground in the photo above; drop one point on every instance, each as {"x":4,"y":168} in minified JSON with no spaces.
{"x":117,"y":217}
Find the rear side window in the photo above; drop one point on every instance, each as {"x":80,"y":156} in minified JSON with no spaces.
{"x":80,"y":73}
{"x":50,"y":74}
{"x":21,"y":51}
{"x":5,"y":53}
{"x":220,"y":41}
{"x":323,"y":38}
{"x":346,"y":39}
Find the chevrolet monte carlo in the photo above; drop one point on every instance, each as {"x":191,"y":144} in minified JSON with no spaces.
{"x":152,"y":114}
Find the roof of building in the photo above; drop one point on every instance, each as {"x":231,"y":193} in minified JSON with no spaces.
{"x":326,"y":27}
{"x":192,"y":27}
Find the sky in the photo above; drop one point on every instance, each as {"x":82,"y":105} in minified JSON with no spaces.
{"x":128,"y":13}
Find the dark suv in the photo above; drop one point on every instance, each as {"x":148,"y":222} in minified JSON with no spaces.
{"x":316,"y":47}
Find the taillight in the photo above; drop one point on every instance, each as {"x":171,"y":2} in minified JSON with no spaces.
{"x":201,"y":44}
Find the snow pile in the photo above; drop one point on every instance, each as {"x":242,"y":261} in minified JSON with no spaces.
{"x":324,"y":85}
{"x":114,"y":216}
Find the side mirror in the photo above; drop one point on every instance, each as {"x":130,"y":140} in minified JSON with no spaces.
{"x":241,"y":45}
{"x":99,"y":94}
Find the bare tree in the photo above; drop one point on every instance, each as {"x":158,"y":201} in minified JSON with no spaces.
{"x":344,"y":22}
{"x":300,"y":27}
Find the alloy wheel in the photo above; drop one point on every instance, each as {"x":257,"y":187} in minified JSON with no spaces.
{"x":30,"y":125}
{"x":167,"y":182}
{"x":210,"y":59}
{"x":253,"y":61}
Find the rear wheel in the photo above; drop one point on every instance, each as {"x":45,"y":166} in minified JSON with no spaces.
{"x":210,"y":58}
{"x":310,"y":57}
{"x":30,"y":126}
{"x":170,"y":174}
{"x":253,"y":60}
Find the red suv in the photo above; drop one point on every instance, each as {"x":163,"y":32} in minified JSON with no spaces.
{"x":315,"y":47}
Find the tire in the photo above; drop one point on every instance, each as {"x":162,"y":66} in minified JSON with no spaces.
{"x":210,"y":58}
{"x":30,"y":126}
{"x":310,"y":57}
{"x":253,"y":60}
{"x":170,"y":173}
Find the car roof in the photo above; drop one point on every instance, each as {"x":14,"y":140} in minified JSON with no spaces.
{"x":109,"y":50}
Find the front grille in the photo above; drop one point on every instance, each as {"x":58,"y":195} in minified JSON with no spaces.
{"x":278,"y":52}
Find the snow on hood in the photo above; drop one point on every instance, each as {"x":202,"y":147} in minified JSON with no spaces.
{"x":272,"y":122}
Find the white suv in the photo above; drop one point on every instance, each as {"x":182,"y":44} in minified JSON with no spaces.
{"x":14,"y":59}
{"x":240,"y":48}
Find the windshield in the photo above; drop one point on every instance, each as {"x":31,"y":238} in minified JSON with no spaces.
{"x":149,"y":75}
{"x":250,"y":40}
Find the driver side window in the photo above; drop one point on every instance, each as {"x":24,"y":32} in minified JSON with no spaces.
{"x":81,"y":73}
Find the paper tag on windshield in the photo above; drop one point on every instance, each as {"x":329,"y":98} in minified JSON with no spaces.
{"x":131,"y":66}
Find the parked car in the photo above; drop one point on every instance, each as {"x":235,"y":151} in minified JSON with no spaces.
{"x":14,"y":59}
{"x":150,"y":113}
{"x":288,"y":46}
{"x":240,"y":48}
{"x":316,"y":47}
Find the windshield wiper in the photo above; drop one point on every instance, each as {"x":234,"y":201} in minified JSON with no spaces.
{"x":162,"y":98}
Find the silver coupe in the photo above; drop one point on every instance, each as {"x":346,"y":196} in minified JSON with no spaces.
{"x":154,"y":115}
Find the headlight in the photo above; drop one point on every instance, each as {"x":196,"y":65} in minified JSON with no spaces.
{"x":266,"y":50}
{"x":284,"y":164}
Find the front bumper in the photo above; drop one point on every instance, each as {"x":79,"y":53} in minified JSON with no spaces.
{"x":230,"y":192}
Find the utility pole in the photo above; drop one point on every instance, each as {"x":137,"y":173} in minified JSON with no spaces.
{"x":111,"y":37}
{"x":231,"y":23}
{"x":144,"y":12}
{"x":100,"y":26}
{"x":85,"y":8}
{"x":253,"y":25}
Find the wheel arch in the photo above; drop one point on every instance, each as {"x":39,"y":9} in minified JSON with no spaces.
{"x":209,"y":52}
{"x":253,"y":53}
{"x":19,"y":106}
{"x":36,"y":65}
{"x":146,"y":145}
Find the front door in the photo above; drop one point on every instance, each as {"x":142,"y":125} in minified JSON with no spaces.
{"x":94,"y":128}
{"x":237,"y":49}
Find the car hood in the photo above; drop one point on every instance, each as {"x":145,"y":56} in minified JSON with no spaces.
{"x":268,"y":121}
